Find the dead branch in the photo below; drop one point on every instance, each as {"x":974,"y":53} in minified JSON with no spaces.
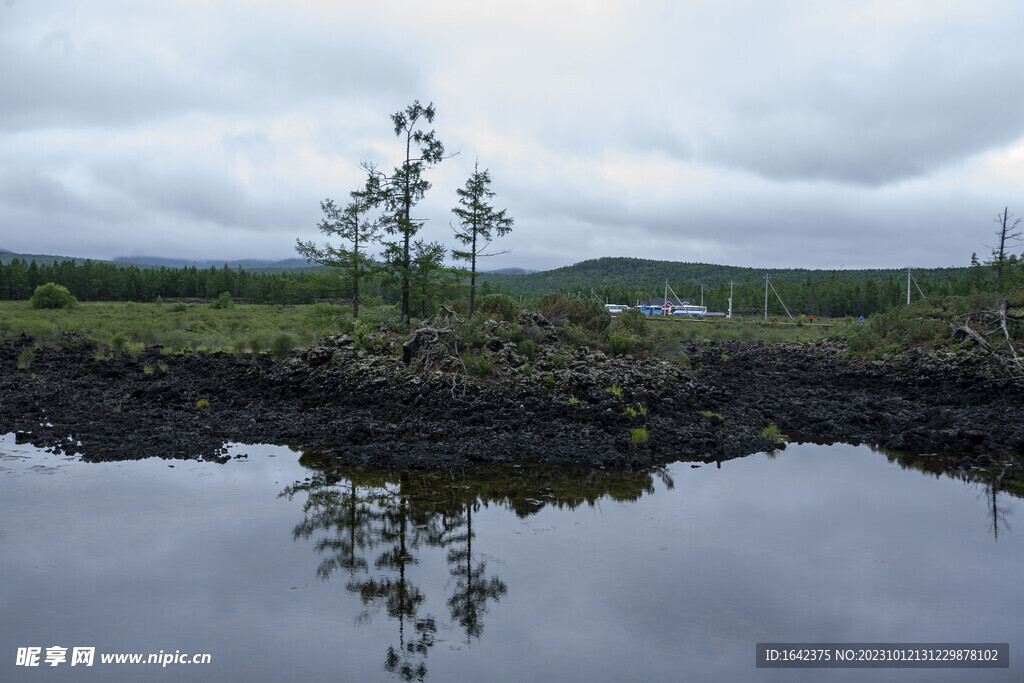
{"x":425,"y":341}
{"x":992,"y":323}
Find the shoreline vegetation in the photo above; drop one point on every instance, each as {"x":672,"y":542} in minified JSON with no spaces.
{"x":225,"y":325}
{"x":565,"y":383}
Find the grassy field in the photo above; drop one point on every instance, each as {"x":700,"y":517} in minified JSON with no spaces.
{"x":177,"y":327}
{"x":245,"y":328}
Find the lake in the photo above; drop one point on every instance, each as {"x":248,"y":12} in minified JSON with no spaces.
{"x":281,"y":567}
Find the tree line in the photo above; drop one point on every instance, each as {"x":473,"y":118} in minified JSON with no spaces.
{"x":831,"y":294}
{"x":102,"y":281}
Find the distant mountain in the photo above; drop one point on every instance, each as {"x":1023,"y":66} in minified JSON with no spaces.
{"x":511,"y":271}
{"x":245,"y":264}
{"x":8,"y":256}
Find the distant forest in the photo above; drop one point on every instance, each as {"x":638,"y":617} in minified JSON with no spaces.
{"x":614,"y":280}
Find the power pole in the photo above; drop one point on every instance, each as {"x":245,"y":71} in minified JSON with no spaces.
{"x":766,"y":296}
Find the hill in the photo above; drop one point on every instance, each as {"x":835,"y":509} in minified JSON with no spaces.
{"x":650,"y":276}
{"x":254,"y":265}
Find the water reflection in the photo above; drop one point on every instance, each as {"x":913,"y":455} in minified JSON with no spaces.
{"x":1003,"y":474}
{"x":372,"y":525}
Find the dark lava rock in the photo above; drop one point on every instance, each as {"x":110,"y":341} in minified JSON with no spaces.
{"x":365,"y":406}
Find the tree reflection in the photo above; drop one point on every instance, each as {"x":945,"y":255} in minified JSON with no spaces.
{"x":473,"y":588}
{"x":1001,"y":474}
{"x":373,"y":525}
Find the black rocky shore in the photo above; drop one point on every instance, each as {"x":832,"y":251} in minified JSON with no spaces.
{"x":362,"y":404}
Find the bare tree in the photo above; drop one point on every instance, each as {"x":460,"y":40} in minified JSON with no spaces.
{"x":1008,"y":235}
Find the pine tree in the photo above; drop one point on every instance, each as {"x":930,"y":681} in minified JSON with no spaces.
{"x":398,"y":193}
{"x":356,"y":234}
{"x":479,"y":224}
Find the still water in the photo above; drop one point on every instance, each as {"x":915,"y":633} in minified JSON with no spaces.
{"x":282,"y":569}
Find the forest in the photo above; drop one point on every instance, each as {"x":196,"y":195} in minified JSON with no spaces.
{"x":617,"y":280}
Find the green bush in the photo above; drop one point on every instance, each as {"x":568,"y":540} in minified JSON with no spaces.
{"x":620,"y":343}
{"x":588,"y":313}
{"x":527,"y":348}
{"x":499,"y":306}
{"x":52,"y":295}
{"x":223,"y":301}
{"x":387,"y":316}
{"x":631,"y":321}
{"x":257,"y":342}
{"x":476,"y":365}
{"x":25,"y":358}
{"x":282,"y":346}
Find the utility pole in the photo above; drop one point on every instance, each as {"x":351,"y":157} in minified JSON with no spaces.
{"x":766,"y":296}
{"x":730,"y":299}
{"x":908,"y":286}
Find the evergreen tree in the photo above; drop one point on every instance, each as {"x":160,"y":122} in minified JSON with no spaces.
{"x":479,"y":223}
{"x":350,"y":256}
{"x":399,"y":192}
{"x":428,"y":277}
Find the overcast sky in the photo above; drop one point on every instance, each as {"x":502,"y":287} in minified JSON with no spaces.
{"x":751,"y":133}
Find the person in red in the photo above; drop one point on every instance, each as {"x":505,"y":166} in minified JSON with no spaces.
{"x":811,"y":318}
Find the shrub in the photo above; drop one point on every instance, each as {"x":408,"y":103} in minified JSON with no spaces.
{"x":52,"y":295}
{"x":476,"y":365}
{"x":559,"y":360}
{"x":588,"y":313}
{"x":256,"y":343}
{"x":388,"y":316}
{"x":528,"y":348}
{"x":771,"y":433}
{"x":283,"y":344}
{"x":202,"y":403}
{"x":223,"y":301}
{"x":498,"y":306}
{"x":25,"y":358}
{"x":620,"y":343}
{"x":638,"y":435}
{"x":632,"y":321}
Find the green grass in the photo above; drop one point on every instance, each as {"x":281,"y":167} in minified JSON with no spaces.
{"x":178,"y":328}
{"x":772,"y":434}
{"x":671,"y":333}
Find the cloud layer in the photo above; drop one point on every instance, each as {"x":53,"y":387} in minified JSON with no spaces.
{"x":746,"y":133}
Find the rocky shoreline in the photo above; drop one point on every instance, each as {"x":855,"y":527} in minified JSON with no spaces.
{"x":358,"y":402}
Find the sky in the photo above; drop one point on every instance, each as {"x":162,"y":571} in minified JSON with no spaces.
{"x":807,"y":134}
